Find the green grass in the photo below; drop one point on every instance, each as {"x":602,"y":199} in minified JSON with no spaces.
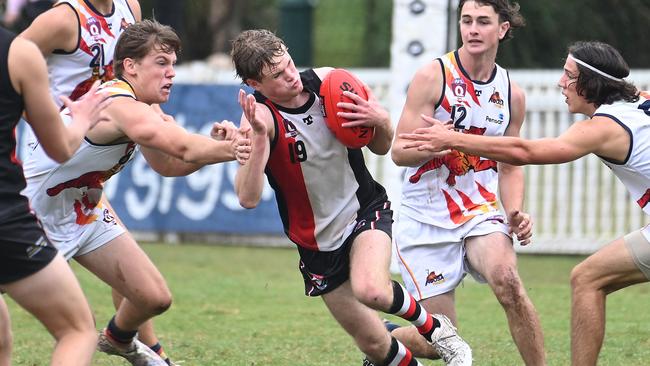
{"x":245,"y":306}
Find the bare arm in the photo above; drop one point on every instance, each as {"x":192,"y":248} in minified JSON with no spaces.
{"x":135,"y":8}
{"x":144,"y":126}
{"x":29,"y":78}
{"x":599,"y":135}
{"x":581,"y":139}
{"x":57,"y":28}
{"x":424,"y":92}
{"x":249,"y":181}
{"x":511,"y":178}
{"x":164,"y":164}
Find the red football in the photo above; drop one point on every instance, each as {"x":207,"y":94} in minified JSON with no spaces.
{"x":331,"y":92}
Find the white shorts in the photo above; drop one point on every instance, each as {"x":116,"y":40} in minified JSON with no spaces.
{"x":433,"y":269}
{"x":92,"y":236}
{"x":639,"y":246}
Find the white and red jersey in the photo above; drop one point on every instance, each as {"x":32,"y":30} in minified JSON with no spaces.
{"x":634,"y":172}
{"x":73,"y":73}
{"x":449,"y":191}
{"x":320,"y":185}
{"x":67,"y":196}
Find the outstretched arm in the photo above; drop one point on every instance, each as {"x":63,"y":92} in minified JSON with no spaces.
{"x":598,"y":135}
{"x":170,"y":166}
{"x":163,"y":141}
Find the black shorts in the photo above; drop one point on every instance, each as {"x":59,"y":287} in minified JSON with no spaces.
{"x":24,"y":248}
{"x":325,"y":271}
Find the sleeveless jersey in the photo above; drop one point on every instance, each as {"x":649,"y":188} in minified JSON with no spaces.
{"x":634,"y":172}
{"x":448,"y":191}
{"x":320,"y":185}
{"x":67,"y":196}
{"x":12,"y":203}
{"x":73,"y":73}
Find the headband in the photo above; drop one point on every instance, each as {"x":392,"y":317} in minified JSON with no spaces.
{"x":602,"y":73}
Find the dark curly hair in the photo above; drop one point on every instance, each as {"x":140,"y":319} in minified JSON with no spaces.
{"x":596,"y":88}
{"x":507,"y":13}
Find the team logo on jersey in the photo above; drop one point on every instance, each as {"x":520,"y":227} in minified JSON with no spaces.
{"x":94,"y":28}
{"x":434,"y":279}
{"x":289,"y":129}
{"x":495,"y":99}
{"x":458,"y":87}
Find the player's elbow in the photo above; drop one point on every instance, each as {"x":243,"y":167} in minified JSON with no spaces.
{"x":380,"y":149}
{"x":400,"y":157}
{"x":518,"y":161}
{"x":247,"y":202}
{"x":247,"y":199}
{"x":60,"y":155}
{"x":396,"y":157}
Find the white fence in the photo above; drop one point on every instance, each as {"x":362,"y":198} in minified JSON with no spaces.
{"x":577,"y":207}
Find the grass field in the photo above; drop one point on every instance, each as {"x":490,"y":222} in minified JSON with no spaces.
{"x":245,"y":306}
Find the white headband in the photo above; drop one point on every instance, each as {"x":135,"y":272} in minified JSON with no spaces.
{"x":602,"y":73}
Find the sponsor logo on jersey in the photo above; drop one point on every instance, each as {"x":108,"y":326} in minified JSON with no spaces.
{"x":458,"y":87}
{"x":434,"y":279}
{"x":308,"y":120}
{"x":498,"y":120}
{"x":495,"y":99}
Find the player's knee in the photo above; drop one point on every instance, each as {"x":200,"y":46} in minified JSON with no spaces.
{"x":161,"y":303}
{"x":372,"y":295}
{"x":158,"y":301}
{"x":507,"y":286}
{"x":581,"y":278}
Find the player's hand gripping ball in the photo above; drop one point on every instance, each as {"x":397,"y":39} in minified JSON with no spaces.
{"x":331,"y":92}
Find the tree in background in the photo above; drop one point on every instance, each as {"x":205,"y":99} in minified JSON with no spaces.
{"x":554,"y":24}
{"x":210,"y":25}
{"x":357,"y":33}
